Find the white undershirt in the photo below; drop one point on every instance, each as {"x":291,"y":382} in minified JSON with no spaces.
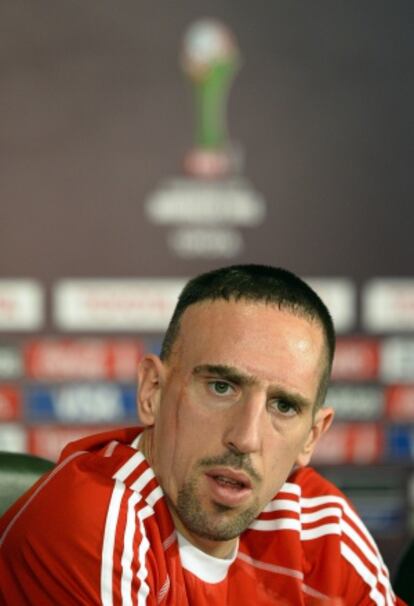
{"x":204,"y":566}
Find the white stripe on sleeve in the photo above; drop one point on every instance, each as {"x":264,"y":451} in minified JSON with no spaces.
{"x":109,"y":543}
{"x":143,"y":480}
{"x":128,"y":551}
{"x":364,"y":573}
{"x":280,"y":504}
{"x":143,"y":590}
{"x":281,"y":524}
{"x":128,"y":467}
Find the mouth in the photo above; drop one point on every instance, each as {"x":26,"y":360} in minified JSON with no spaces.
{"x":228,"y":486}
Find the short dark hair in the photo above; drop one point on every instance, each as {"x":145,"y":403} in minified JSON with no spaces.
{"x":262,"y":283}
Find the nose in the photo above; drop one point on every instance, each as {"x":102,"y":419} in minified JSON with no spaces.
{"x":245,"y":425}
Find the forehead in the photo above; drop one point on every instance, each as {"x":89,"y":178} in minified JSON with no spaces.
{"x":255,"y":336}
{"x":245,"y":316}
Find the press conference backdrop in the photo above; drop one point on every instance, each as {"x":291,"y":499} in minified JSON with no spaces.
{"x":115,"y":188}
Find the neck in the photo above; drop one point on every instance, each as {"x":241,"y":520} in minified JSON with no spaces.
{"x":145,"y":445}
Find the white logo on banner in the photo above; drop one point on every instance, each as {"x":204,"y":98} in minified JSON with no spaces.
{"x":21,"y":305}
{"x":339,"y":296}
{"x":124,"y":304}
{"x":356,"y":402}
{"x":397,"y":360}
{"x":230,"y":202}
{"x":388,"y":304}
{"x":13,"y":437}
{"x":10,"y":362}
{"x":191,"y":242}
{"x":89,"y":404}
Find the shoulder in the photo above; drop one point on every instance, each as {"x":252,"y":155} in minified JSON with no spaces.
{"x":99,"y":508}
{"x":329,"y":519}
{"x":90,"y":474}
{"x":335,"y":551}
{"x":75,"y":492}
{"x":99,"y":443}
{"x":312,"y":484}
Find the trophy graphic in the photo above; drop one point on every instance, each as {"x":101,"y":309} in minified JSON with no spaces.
{"x":205,"y":209}
{"x":210,"y":59}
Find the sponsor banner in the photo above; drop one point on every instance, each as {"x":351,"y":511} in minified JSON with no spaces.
{"x":388,"y":305}
{"x":400,"y":402}
{"x":10,"y":403}
{"x":205,"y":242}
{"x":356,"y":359}
{"x":62,"y":359}
{"x":232,"y":201}
{"x":13,"y":437}
{"x":115,"y":305}
{"x":10,"y":362}
{"x":48,"y":441}
{"x":400,"y":442}
{"x":377,"y":493}
{"x":359,"y":443}
{"x":21,"y":305}
{"x":397,"y":360}
{"x":356,"y":402}
{"x":383,"y":514}
{"x":339,"y":295}
{"x":153,"y":346}
{"x":98,"y":404}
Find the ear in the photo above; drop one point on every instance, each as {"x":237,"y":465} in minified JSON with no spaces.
{"x":321,"y":423}
{"x":150,"y":380}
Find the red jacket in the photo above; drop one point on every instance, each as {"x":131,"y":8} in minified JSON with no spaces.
{"x":97,"y":530}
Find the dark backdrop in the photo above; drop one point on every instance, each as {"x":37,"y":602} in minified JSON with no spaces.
{"x":95,"y":113}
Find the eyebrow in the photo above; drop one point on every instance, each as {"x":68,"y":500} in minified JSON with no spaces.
{"x":234,"y":375}
{"x":225,"y":372}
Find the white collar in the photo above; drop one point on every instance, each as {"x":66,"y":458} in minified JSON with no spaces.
{"x":206,"y":567}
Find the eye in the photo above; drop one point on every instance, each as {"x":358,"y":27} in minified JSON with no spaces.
{"x":220,"y":388}
{"x":284,"y":408}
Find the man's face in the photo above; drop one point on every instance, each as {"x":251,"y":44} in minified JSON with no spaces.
{"x":231,"y":413}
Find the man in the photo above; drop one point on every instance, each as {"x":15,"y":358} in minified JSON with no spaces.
{"x":212,"y":503}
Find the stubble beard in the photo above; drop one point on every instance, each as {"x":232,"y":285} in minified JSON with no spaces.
{"x":221,"y":523}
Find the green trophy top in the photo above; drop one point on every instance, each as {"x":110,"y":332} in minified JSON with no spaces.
{"x":210,"y":58}
{"x":208,"y":43}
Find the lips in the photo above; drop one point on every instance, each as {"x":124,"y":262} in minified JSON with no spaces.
{"x":228,"y":487}
{"x":230,"y":477}
{"x":227,"y":482}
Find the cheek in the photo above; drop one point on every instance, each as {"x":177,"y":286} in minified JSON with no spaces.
{"x":282,"y":450}
{"x":166,"y":439}
{"x":196,"y":418}
{"x":180,"y":434}
{"x":196,"y":430}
